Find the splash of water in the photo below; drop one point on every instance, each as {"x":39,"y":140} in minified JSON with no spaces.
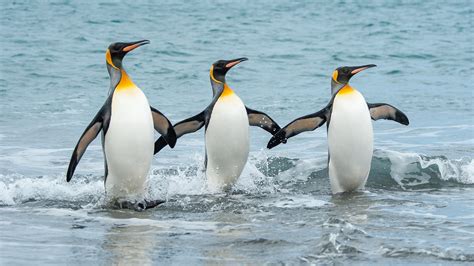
{"x":262,"y":175}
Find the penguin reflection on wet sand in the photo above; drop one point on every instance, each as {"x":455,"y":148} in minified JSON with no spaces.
{"x":349,"y":130}
{"x":226,"y":122}
{"x":127,"y":122}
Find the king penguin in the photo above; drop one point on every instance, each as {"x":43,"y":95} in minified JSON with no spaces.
{"x":127,"y":122}
{"x":226,"y":122}
{"x":349,"y":129}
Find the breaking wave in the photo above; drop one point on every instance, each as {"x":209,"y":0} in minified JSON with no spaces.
{"x":390,"y":170}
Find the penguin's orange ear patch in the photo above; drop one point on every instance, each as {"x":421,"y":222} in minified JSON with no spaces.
{"x":108,"y":58}
{"x":211,"y":73}
{"x":334,"y":75}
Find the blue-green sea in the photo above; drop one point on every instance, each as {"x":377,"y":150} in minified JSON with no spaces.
{"x":418,"y":204}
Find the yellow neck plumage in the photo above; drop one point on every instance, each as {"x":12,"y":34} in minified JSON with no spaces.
{"x":125,"y":82}
{"x":347,"y":89}
{"x":227,"y":90}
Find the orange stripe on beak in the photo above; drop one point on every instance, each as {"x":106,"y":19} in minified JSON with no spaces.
{"x":134,"y":45}
{"x":355,"y":71}
{"x":361,"y":68}
{"x":130,"y":47}
{"x":235,"y":62}
{"x":231,"y":64}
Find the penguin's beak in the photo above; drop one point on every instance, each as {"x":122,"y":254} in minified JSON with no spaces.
{"x":133,"y":45}
{"x":234,"y":62}
{"x":357,"y":69}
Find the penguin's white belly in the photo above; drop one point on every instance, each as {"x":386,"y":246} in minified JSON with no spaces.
{"x":227,"y":142}
{"x":350,"y":140}
{"x":129,"y":144}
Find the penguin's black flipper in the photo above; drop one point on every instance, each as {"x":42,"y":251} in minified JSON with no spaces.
{"x":260,"y":119}
{"x":386,"y":111}
{"x":186,"y":126}
{"x":302,"y":124}
{"x":164,"y":127}
{"x":87,"y":137}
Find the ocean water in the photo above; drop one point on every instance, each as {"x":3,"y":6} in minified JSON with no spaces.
{"x":417,"y":207}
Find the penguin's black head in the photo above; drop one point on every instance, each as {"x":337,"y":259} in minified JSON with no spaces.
{"x":220,"y":68}
{"x":342,"y":75}
{"x":117,"y":51}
